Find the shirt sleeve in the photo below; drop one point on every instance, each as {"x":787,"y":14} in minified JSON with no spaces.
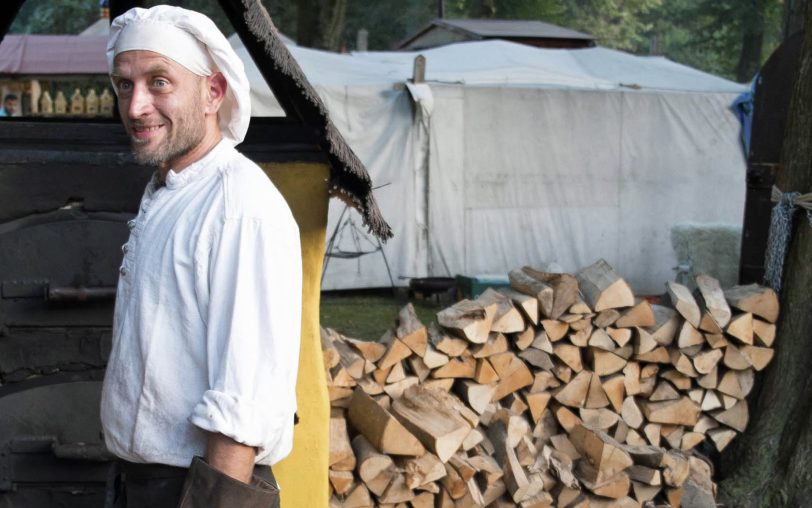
{"x":253,"y":327}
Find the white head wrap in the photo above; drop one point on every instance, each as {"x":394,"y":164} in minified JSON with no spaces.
{"x":192,"y":40}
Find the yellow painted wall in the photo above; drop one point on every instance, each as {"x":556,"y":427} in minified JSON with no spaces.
{"x":302,"y":476}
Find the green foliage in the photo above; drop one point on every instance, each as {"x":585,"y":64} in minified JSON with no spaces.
{"x":55,"y":17}
{"x":706,"y":34}
{"x":619,"y":24}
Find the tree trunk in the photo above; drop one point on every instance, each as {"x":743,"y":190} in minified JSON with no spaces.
{"x":772,"y":462}
{"x":487,"y":8}
{"x":752,"y":40}
{"x":793,"y":16}
{"x":321,"y":24}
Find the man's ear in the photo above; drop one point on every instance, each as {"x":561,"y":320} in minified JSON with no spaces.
{"x":216,"y":87}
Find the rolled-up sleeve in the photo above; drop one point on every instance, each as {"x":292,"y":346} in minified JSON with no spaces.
{"x":253,"y":326}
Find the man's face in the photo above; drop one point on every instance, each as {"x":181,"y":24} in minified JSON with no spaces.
{"x":10,"y":105}
{"x":161,"y":105}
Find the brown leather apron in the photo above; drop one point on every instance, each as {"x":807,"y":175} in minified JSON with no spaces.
{"x":199,"y":486}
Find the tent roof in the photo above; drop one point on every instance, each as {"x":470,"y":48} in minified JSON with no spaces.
{"x":52,"y":54}
{"x":512,"y":28}
{"x":498,"y":62}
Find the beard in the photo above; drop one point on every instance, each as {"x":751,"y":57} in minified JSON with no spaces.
{"x":187,"y":131}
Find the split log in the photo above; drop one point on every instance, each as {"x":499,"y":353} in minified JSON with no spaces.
{"x":462,"y":367}
{"x":528,"y":305}
{"x":537,"y":403}
{"x":741,"y":328}
{"x":605,"y":362}
{"x":570,"y":355}
{"x":600,"y":419}
{"x":537,"y":358}
{"x":664,"y":391}
{"x":524,"y":283}
{"x":397,"y":492}
{"x":631,"y":413}
{"x":735,"y":417}
{"x":411,"y":331}
{"x":675,"y":412}
{"x":603,"y":453}
{"x":396,"y":352}
{"x":666,"y":325}
{"x":476,"y":395}
{"x":684,"y":302}
{"x":616,"y":487}
{"x":523,"y":340}
{"x":689,"y":336}
{"x":606,"y":318}
{"x":358,"y":497}
{"x":433,"y":417}
{"x":468,"y":320}
{"x":621,"y":336}
{"x":706,"y":361}
{"x":512,"y":378}
{"x":596,"y":397}
{"x":712,"y":299}
{"x":515,"y":478}
{"x":603,"y":288}
{"x":737,"y":383}
{"x":574,"y":393}
{"x":484,"y":373}
{"x":422,"y":470}
{"x":615,"y":390}
{"x":565,"y":289}
{"x":507,"y":318}
{"x":340,"y":480}
{"x":721,"y":437}
{"x":342,"y":457}
{"x":759,"y":300}
{"x":640,"y":315}
{"x":600,"y":339}
{"x":764,"y":332}
{"x":446,"y":344}
{"x":380,"y":428}
{"x":556,"y":330}
{"x":758,"y":357}
{"x":370,"y":462}
{"x":496,"y":343}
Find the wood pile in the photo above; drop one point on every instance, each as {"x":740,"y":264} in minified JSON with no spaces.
{"x":559,"y":391}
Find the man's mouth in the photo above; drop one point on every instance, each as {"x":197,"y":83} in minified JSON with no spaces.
{"x":145,"y":132}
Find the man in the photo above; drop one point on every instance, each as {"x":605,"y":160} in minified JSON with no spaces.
{"x":200,"y":384}
{"x":10,"y":103}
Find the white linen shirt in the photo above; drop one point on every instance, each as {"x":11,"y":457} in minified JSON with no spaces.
{"x":207,"y":317}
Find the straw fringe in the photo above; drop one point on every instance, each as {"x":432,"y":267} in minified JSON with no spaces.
{"x":349,"y":178}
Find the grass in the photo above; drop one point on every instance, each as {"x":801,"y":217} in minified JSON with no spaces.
{"x":368,"y":315}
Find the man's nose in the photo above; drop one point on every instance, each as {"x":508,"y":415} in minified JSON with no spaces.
{"x":140,"y":102}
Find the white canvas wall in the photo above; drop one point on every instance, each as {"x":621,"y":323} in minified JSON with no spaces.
{"x":519,"y":155}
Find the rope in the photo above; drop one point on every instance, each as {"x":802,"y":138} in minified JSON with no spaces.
{"x":781,"y":232}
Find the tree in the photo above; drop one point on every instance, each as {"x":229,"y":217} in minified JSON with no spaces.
{"x":753,"y":26}
{"x":49,"y":17}
{"x":321,"y":24}
{"x":769,"y":465}
{"x":619,"y":24}
{"x":731,"y":38}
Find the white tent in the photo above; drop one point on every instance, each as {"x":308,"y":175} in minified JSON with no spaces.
{"x":512,"y":155}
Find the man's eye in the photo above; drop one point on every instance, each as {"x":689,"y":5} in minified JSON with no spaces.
{"x":160,"y":82}
{"x":123,"y":86}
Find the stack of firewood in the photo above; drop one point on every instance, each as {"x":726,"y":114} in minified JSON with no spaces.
{"x":559,"y":391}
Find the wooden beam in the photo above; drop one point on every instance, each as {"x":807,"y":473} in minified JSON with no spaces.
{"x":7,"y":15}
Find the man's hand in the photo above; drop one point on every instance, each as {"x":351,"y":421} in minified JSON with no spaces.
{"x":230,"y":457}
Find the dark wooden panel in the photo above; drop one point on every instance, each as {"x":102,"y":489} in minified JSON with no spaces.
{"x":771,"y":106}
